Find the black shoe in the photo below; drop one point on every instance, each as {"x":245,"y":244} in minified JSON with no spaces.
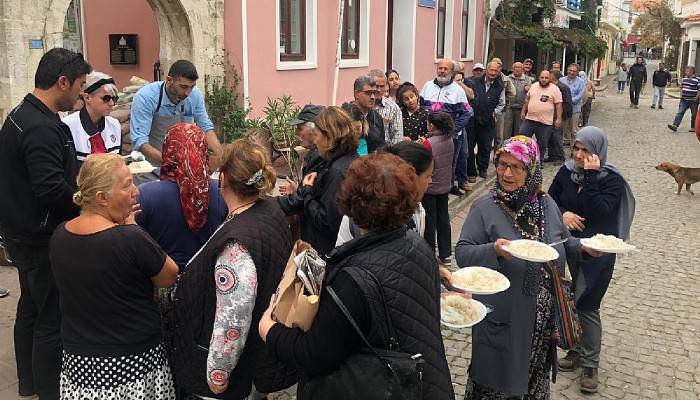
{"x":672,"y":127}
{"x":636,"y":106}
{"x":661,"y":107}
{"x":689,"y":130}
{"x":653,"y":106}
{"x":482,"y":174}
{"x":446,"y":261}
{"x":455,"y":191}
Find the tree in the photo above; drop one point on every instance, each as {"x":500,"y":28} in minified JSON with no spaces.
{"x":656,"y":24}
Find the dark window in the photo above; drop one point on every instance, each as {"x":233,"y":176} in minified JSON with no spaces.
{"x":465,"y":28}
{"x":292,"y":30}
{"x":351,"y":30}
{"x":441,"y":16}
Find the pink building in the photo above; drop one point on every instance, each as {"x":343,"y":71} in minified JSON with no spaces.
{"x":289,"y":46}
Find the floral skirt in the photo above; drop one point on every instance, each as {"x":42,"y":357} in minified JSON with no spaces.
{"x":538,"y":385}
{"x":144,"y":376}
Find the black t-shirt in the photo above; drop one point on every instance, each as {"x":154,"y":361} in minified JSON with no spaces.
{"x":105,"y":288}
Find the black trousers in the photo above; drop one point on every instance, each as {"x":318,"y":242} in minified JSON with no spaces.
{"x":437,"y":221}
{"x":38,"y":346}
{"x":481,"y":136}
{"x":555,"y":146}
{"x":635,"y":89}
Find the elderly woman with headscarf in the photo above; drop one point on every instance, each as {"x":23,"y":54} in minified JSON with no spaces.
{"x":93,"y":130}
{"x":184,"y":208}
{"x":513,"y":347}
{"x":594,"y":198}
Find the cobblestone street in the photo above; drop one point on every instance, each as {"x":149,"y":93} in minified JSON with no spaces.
{"x":651,"y":340}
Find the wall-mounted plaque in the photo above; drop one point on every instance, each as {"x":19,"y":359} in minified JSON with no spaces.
{"x":123,"y":48}
{"x":426,"y":3}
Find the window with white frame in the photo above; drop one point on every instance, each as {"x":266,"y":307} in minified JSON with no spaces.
{"x":441,"y":22}
{"x":354,"y":40}
{"x":292,"y":21}
{"x":467,"y":38}
{"x":296,"y":33}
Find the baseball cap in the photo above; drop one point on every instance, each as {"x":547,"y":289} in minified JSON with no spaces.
{"x":307,"y":114}
{"x":528,"y":60}
{"x":478,"y":66}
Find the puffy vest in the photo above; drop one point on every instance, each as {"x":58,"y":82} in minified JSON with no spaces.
{"x":485,"y":102}
{"x":406,"y":268}
{"x":263,"y":230}
{"x":443,"y":152}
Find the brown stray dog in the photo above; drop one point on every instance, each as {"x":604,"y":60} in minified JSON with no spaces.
{"x":682,"y":175}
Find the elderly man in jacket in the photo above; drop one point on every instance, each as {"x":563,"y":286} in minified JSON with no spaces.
{"x":443,"y":94}
{"x":489,"y":103}
{"x":577,"y":86}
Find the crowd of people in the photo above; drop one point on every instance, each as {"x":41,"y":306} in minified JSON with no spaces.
{"x":159,"y":285}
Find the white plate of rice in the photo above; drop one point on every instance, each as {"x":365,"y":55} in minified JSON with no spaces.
{"x":458,"y":312}
{"x":608,"y":244}
{"x":531,"y":250}
{"x":141,"y":167}
{"x":480,"y":280}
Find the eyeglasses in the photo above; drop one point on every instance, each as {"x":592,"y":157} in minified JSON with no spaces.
{"x":502,"y":166}
{"x":106,"y":98}
{"x":370,"y":93}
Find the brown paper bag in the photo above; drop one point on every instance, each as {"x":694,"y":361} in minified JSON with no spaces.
{"x":292,"y":307}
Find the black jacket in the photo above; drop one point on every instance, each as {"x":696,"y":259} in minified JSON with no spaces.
{"x":637,"y":73}
{"x":38,"y":167}
{"x":319,"y":216}
{"x":567,"y":103}
{"x":661,"y":78}
{"x":263,"y":230}
{"x":485,"y":102}
{"x":375,"y":135}
{"x":406,"y":269}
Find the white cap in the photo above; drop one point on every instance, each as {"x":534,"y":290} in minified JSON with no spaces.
{"x":478,"y":66}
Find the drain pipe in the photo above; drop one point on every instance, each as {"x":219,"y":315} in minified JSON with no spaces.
{"x":337,"y":51}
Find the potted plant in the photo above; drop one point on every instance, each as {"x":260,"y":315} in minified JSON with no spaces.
{"x":283,"y":138}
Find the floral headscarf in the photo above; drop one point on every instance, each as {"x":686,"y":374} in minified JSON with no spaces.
{"x":524,"y":206}
{"x":525,"y":201}
{"x":185,"y":163}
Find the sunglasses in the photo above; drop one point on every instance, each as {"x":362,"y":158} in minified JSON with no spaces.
{"x":106,"y":98}
{"x":370,"y":93}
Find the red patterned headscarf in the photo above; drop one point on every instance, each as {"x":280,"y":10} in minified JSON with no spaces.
{"x":185,"y":163}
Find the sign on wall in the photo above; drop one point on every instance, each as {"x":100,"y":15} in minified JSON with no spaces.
{"x":426,"y":3}
{"x":123,"y":48}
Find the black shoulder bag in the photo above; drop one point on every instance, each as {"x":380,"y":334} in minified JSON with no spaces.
{"x":370,"y":373}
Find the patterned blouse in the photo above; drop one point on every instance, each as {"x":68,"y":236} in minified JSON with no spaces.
{"x":415,"y":125}
{"x":391,"y":116}
{"x":236,"y":288}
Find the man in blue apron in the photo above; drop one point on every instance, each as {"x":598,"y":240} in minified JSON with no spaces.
{"x":160,"y":105}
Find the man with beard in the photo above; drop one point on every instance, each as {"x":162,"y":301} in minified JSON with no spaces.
{"x":443,"y":94}
{"x":528,"y":64}
{"x":542,"y":110}
{"x":160,"y":105}
{"x":38,"y":170}
{"x":636,"y":78}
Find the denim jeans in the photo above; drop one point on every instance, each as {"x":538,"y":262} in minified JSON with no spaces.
{"x":621,"y":86}
{"x":38,"y":345}
{"x":683,"y":106}
{"x":459,"y":160}
{"x":658,"y":96}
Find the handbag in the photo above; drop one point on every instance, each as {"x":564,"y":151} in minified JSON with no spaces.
{"x":568,"y":329}
{"x":369,"y":373}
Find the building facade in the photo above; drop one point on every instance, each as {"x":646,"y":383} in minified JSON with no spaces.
{"x":278,"y":46}
{"x":688,"y":14}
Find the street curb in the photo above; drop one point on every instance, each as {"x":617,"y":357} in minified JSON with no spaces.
{"x":456,"y":204}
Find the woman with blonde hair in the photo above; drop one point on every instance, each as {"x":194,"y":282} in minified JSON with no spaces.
{"x":106,"y":268}
{"x":315,"y":200}
{"x":227,"y":285}
{"x":93,"y":130}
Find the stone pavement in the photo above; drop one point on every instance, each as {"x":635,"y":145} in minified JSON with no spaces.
{"x":651,"y":341}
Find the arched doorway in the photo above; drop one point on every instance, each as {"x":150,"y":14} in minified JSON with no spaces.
{"x":189,"y":29}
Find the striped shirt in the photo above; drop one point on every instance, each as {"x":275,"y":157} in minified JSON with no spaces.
{"x":690,"y":87}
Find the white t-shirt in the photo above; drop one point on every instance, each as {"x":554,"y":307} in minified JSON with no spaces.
{"x":345,"y":235}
